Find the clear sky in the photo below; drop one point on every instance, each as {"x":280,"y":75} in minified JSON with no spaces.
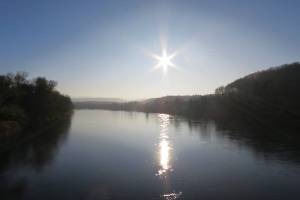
{"x":97,"y":48}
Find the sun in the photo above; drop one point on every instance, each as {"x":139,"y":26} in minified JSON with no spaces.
{"x":165,"y":58}
{"x":164,"y":61}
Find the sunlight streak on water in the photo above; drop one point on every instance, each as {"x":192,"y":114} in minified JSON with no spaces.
{"x":172,"y":196}
{"x":165,"y":157}
{"x":164,"y":145}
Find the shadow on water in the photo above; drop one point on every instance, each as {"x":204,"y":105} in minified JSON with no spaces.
{"x":35,"y":152}
{"x":269,"y":143}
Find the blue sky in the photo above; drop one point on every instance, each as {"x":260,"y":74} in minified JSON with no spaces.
{"x":97,"y":48}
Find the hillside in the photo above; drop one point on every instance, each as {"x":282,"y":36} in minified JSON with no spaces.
{"x":97,"y":99}
{"x":271,"y":95}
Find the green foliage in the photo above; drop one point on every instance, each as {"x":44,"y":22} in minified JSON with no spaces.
{"x":31,"y":103}
{"x":13,"y":113}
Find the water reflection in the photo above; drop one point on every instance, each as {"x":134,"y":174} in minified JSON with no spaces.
{"x":164,"y":151}
{"x":33,"y":154}
{"x":172,"y":196}
{"x":112,"y":155}
{"x":164,"y":145}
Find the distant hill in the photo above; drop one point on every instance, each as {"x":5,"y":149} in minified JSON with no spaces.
{"x":97,"y":99}
{"x":277,"y":86}
{"x":271,"y":95}
{"x":169,"y":98}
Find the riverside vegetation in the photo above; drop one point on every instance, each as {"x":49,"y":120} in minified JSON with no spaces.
{"x":30,"y":104}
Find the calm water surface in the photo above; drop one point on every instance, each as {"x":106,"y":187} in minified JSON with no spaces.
{"x":123,"y":155}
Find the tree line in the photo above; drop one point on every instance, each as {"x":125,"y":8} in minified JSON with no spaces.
{"x":269,"y":96}
{"x":29,"y":103}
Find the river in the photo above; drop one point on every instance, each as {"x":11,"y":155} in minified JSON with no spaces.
{"x":130,"y":155}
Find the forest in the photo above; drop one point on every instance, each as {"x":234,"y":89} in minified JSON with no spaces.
{"x":30,"y":103}
{"x":269,"y":97}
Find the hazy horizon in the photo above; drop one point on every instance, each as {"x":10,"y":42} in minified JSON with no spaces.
{"x":109,"y":48}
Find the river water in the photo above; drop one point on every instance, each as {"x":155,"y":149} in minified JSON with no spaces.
{"x":131,"y":155}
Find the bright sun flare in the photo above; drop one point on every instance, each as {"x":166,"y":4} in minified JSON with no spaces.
{"x":164,"y":61}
